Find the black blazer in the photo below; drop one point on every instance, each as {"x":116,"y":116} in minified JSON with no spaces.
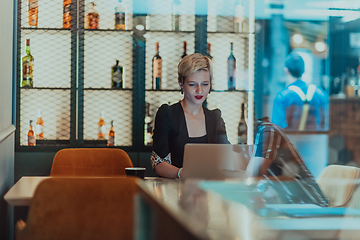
{"x":171,"y":135}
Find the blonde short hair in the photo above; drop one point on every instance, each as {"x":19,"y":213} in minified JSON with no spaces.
{"x":193,"y":63}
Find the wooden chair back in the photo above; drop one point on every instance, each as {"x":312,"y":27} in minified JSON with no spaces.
{"x":90,"y":162}
{"x":81,"y":208}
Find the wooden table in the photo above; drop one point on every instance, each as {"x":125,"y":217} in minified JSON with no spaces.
{"x":173,"y":209}
{"x":23,"y":191}
{"x":202,"y":214}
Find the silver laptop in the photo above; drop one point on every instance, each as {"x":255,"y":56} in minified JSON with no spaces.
{"x":216,"y":161}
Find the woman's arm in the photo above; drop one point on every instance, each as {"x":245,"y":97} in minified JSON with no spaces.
{"x":167,"y":170}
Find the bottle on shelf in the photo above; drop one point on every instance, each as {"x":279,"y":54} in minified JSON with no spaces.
{"x":67,"y":14}
{"x":350,"y":87}
{"x":156,"y":69}
{"x":28,"y":67}
{"x":39,"y":128}
{"x":120,"y":16}
{"x":231,"y":69}
{"x":242,"y":128}
{"x":31,"y":135}
{"x":147,"y":127}
{"x":33,"y":13}
{"x":239,"y":16}
{"x":175,"y":15}
{"x":184,"y":50}
{"x":117,"y":76}
{"x":92,"y":18}
{"x":208,"y":51}
{"x":101,"y":125}
{"x":208,"y":54}
{"x":358,"y":78}
{"x":111,"y":134}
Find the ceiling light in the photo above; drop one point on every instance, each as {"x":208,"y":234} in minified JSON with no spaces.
{"x":140,"y":27}
{"x":298,"y":38}
{"x":320,"y":46}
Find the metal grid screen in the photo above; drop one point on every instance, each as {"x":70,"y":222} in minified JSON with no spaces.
{"x":106,"y":70}
{"x":50,"y":46}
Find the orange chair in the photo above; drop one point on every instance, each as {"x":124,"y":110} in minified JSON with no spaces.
{"x":81,"y":208}
{"x":90,"y":162}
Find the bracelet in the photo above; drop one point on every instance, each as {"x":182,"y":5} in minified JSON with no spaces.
{"x":179,"y":172}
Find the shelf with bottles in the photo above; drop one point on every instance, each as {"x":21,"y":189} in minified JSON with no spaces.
{"x":102,"y":51}
{"x":113,"y":106}
{"x":46,"y":61}
{"x":230,"y":106}
{"x":55,"y":114}
{"x":163,"y":62}
{"x":46,"y":14}
{"x":228,"y":16}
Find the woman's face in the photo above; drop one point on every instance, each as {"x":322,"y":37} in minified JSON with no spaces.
{"x":197,"y":86}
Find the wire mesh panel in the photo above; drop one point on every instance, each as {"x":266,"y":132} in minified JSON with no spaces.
{"x":228,"y":47}
{"x":114,"y":106}
{"x":230,"y":105}
{"x":44,"y":54}
{"x":55,"y":112}
{"x":171,"y":15}
{"x":86,"y":47}
{"x":108,"y":71}
{"x":102,"y":49}
{"x":170,"y":51}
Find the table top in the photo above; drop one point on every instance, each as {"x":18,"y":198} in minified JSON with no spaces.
{"x":23,"y":190}
{"x":210,"y":215}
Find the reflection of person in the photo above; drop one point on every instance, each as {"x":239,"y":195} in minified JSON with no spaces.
{"x":298,"y":100}
{"x":277,"y":159}
{"x":186,"y":121}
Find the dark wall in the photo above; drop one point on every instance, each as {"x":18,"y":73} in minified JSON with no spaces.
{"x":342,"y":56}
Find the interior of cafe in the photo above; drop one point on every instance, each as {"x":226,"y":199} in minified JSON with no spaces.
{"x":179,"y":119}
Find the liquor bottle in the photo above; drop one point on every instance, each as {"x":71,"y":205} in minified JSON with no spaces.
{"x":184,"y":50}
{"x":67,"y":14}
{"x":111,"y":134}
{"x":350,"y":83}
{"x":28,"y":67}
{"x":39,"y":128}
{"x":147,"y":128}
{"x":31,"y":135}
{"x":92,"y":18}
{"x":117,"y":76}
{"x":208,"y":51}
{"x":231,"y":69}
{"x":120,"y":16}
{"x":239,"y":16}
{"x":33,"y":13}
{"x":156,"y":69}
{"x":101,"y":124}
{"x":175,"y":15}
{"x":242,"y":128}
{"x":208,"y":54}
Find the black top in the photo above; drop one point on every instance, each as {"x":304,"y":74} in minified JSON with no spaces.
{"x":202,"y":139}
{"x":171,"y":135}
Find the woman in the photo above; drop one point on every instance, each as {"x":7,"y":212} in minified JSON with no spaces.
{"x":186,"y":121}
